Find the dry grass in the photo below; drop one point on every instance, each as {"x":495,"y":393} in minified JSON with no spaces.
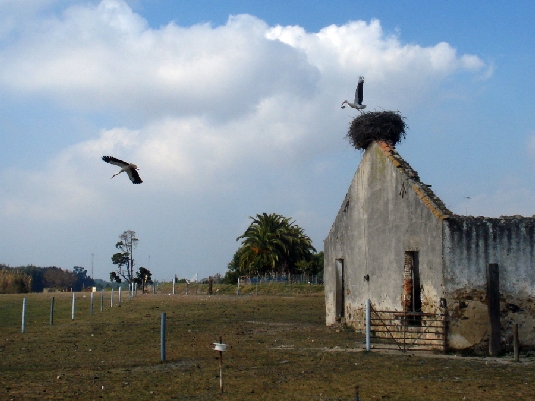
{"x":282,"y":350}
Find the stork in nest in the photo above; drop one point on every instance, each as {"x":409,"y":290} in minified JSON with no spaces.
{"x":131,"y":169}
{"x":359,"y":97}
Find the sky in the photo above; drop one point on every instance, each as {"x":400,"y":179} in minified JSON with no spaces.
{"x":232,"y":109}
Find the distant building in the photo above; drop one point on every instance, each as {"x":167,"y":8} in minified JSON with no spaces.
{"x":394,"y":242}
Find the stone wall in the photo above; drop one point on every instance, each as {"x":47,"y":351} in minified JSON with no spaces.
{"x":470,"y":244}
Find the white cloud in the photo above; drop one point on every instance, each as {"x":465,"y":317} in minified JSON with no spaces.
{"x":212,"y":96}
{"x":106,"y":56}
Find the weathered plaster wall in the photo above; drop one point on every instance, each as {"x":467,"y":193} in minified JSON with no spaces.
{"x":470,"y":244}
{"x":386,"y":212}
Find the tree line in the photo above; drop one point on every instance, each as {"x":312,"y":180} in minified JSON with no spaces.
{"x":31,"y":278}
{"x":274,"y":244}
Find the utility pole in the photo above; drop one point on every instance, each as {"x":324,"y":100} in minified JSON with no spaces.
{"x":467,"y":199}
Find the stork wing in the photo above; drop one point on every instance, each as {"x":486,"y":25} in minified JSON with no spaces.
{"x":113,"y":160}
{"x":359,"y":94}
{"x":134,"y":176}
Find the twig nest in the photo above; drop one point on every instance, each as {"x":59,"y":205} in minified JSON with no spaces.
{"x":388,"y":126}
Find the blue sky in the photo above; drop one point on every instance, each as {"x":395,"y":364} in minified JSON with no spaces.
{"x":231,"y":108}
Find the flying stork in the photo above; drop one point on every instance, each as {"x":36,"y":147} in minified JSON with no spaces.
{"x":131,"y":169}
{"x":359,"y":97}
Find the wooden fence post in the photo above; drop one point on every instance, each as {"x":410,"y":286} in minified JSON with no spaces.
{"x":516,"y":344}
{"x":52,"y":311}
{"x":493,"y":305}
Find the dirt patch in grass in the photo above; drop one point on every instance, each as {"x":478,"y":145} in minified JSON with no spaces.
{"x":281,"y":350}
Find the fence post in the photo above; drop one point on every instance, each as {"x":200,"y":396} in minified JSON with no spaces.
{"x":23,"y":315}
{"x":174,"y":281}
{"x":52,"y":311}
{"x":119,"y":296}
{"x":102,"y":300}
{"x":73,"y":305}
{"x":221,"y":366}
{"x":92,"y":300}
{"x":445,"y":331}
{"x":493,"y":307}
{"x":162,"y":338}
{"x":111,"y":299}
{"x":238,"y":293}
{"x":516,"y":344}
{"x":368,"y":323}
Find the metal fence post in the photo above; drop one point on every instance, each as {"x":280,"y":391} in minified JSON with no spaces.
{"x":23,"y":315}
{"x":73,"y":305}
{"x":368,"y":323}
{"x":162,"y":338}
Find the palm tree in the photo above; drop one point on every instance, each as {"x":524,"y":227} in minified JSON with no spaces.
{"x":273,"y":243}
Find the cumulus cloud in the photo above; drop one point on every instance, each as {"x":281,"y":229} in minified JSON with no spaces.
{"x":244,"y":108}
{"x":210,"y":95}
{"x":106,"y":56}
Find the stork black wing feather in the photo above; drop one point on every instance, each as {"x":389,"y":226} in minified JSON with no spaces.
{"x":360,"y":92}
{"x":134,"y":176}
{"x":113,"y":160}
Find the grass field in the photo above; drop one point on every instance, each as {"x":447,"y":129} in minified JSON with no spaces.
{"x":281,"y":350}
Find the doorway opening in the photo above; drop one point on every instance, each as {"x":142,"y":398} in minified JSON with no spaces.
{"x":412,"y":297}
{"x":340,"y":290}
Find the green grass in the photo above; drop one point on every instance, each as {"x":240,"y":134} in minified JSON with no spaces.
{"x":281,"y":350}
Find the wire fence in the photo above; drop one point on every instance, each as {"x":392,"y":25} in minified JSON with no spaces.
{"x":273,"y":284}
{"x":285,"y":278}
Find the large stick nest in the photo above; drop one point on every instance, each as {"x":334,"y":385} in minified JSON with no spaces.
{"x":388,"y":126}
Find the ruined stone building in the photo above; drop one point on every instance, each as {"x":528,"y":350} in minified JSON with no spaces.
{"x":394,"y":242}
